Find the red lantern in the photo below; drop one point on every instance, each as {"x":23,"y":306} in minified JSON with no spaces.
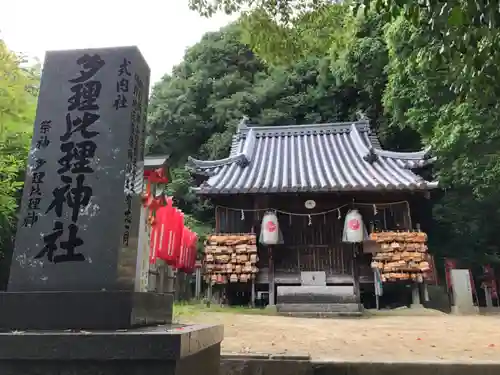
{"x":167,"y":226}
{"x":192,"y":253}
{"x":185,"y":247}
{"x":178,"y":264}
{"x":160,"y":221}
{"x":158,"y":217}
{"x":178,"y":225}
{"x":182,"y":262}
{"x":187,"y":258}
{"x":182,"y":253}
{"x":153,"y":242}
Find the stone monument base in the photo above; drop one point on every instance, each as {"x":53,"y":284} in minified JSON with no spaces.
{"x":107,"y":310}
{"x":162,"y":350}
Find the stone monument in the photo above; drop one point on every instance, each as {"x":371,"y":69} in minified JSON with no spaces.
{"x":72,"y":291}
{"x":463,"y":301}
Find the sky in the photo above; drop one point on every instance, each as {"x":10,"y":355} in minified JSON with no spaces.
{"x":162,"y":29}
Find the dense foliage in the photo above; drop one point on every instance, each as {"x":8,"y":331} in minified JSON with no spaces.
{"x":423,"y":72}
{"x":467,"y":30}
{"x":18,"y":90}
{"x":314,"y":61}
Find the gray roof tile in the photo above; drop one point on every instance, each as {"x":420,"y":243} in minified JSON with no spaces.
{"x":308,"y":158}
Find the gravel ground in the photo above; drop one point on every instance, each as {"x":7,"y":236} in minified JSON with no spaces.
{"x":434,"y":336}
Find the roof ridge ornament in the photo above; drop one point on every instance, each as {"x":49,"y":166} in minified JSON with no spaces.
{"x":249,"y":147}
{"x":371,"y":154}
{"x":366,"y":152}
{"x":361,"y":116}
{"x":243,"y":124}
{"x":197,"y":164}
{"x":407,"y":156}
{"x":241,"y":159}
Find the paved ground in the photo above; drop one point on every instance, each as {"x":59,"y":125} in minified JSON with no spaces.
{"x":432,"y":337}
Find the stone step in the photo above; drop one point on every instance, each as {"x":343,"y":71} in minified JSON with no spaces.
{"x":315,"y":308}
{"x":320,"y":315}
{"x":316,"y":294}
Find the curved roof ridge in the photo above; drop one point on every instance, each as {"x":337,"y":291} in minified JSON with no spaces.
{"x":333,"y":127}
{"x":242,"y":158}
{"x":407,"y":160}
{"x":197,"y":163}
{"x":249,"y":146}
{"x":416,"y":155}
{"x":365,"y":152}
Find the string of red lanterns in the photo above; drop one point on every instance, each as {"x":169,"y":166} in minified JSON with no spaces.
{"x":170,"y":239}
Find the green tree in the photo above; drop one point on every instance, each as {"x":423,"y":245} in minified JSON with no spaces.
{"x":18,"y":90}
{"x":195,"y":110}
{"x":312,"y":33}
{"x":461,"y":129}
{"x":467,"y":31}
{"x":472,"y":18}
{"x":204,"y":96}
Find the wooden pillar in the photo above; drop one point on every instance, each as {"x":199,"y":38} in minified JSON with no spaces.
{"x":355,"y":271}
{"x":426,"y":292}
{"x":271,"y":278}
{"x":377,"y":287}
{"x":252,"y":300}
{"x":209,"y":293}
{"x":197,"y":284}
{"x":415,"y":296}
{"x":261,"y":202}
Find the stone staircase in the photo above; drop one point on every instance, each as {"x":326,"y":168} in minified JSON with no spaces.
{"x":318,"y":301}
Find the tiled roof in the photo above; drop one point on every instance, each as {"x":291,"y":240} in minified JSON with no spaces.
{"x":318,"y":157}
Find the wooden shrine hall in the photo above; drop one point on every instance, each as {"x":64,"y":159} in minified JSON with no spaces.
{"x":310,"y":176}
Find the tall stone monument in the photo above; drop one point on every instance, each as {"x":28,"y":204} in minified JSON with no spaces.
{"x":75,"y":261}
{"x":80,"y":211}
